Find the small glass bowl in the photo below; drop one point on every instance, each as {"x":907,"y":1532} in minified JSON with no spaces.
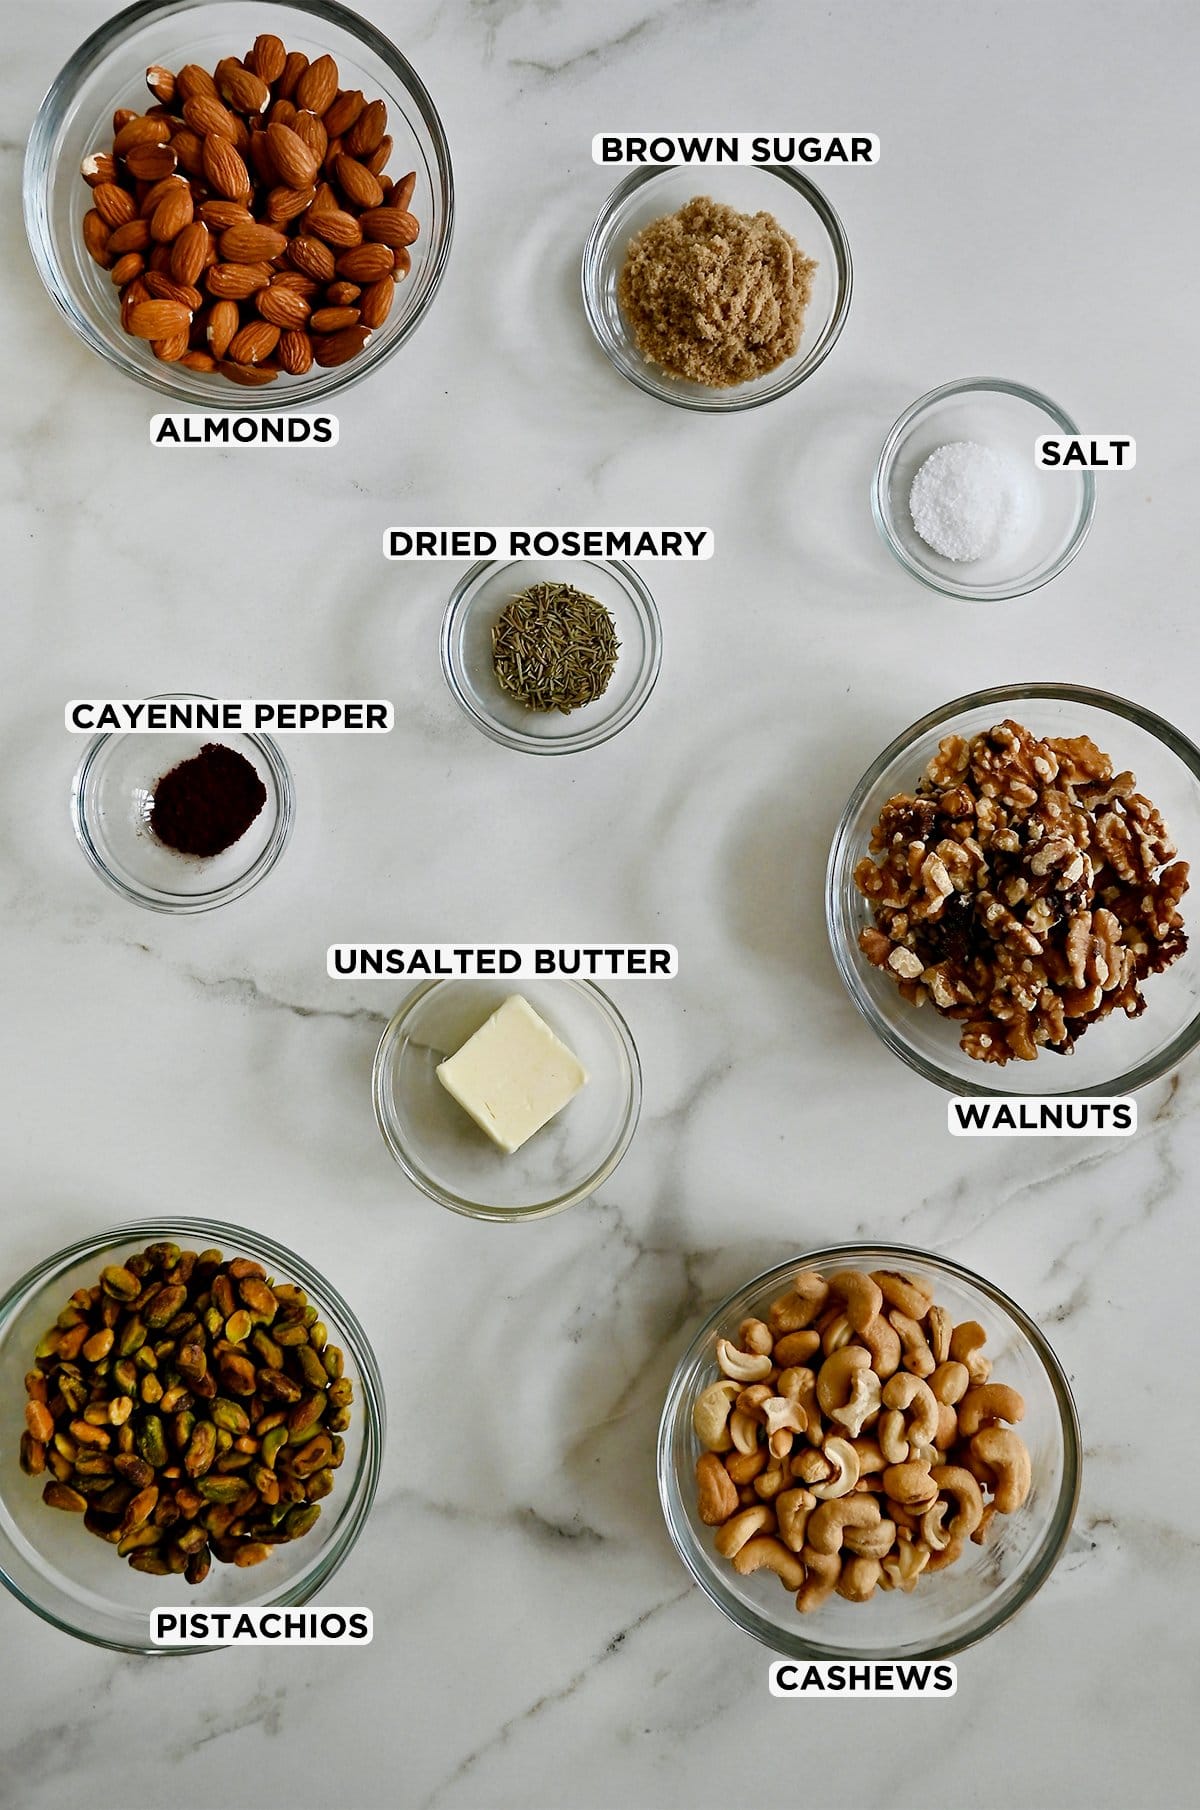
{"x":109,"y":71}
{"x":1118,"y":1054}
{"x":442,"y":1150}
{"x":952,"y":1609}
{"x":800,"y":209}
{"x":1007,"y":417}
{"x":72,"y":1579}
{"x":471,"y":614}
{"x":110,"y":810}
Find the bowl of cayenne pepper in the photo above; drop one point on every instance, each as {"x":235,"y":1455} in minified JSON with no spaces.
{"x":184,"y":818}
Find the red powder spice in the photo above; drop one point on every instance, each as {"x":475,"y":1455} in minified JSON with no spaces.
{"x":205,"y":804}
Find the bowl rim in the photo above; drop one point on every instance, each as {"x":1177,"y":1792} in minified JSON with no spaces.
{"x":381,"y":1070}
{"x":37,"y":172}
{"x":840,"y":1255}
{"x":373,"y":1405}
{"x":639,"y":594}
{"x":720,"y":402}
{"x":1000,"y":592}
{"x":187,"y":904}
{"x":848,"y":959}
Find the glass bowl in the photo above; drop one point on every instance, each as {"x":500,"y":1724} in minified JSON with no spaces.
{"x":109,"y":71}
{"x":1118,"y":1054}
{"x":70,"y":1578}
{"x":445,"y":1153}
{"x":471,"y":613}
{"x":1057,"y":506}
{"x":952,"y":1609}
{"x":800,"y":209}
{"x":110,"y":810}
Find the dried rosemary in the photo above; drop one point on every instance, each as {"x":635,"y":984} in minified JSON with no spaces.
{"x":554,"y":648}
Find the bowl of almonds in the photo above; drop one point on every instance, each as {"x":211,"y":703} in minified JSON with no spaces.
{"x":243,"y":206}
{"x":869,"y":1452}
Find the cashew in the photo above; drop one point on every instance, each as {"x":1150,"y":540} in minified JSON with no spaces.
{"x":892,"y":1441}
{"x":907,"y":1520}
{"x":966,"y":1347}
{"x":755,"y":1335}
{"x":860,"y":1576}
{"x":780,"y":1413}
{"x":767,"y":1554}
{"x":913,"y":1403}
{"x":871,"y":1542}
{"x":836,"y":1331}
{"x":841,"y":1453}
{"x":905,"y":1564}
{"x":870,"y":1458}
{"x":836,"y":1376}
{"x":950,"y":1382}
{"x":799,"y":1384}
{"x":911,"y":1485}
{"x":862,"y":1296}
{"x":917,"y":1356}
{"x":751,"y":1399}
{"x":830,"y":1519}
{"x":791,"y":1313}
{"x":989,"y":1401}
{"x":981,"y":1532}
{"x":863,"y":1404}
{"x":940,"y":1327}
{"x":1007,"y":1457}
{"x":716,"y":1495}
{"x":821,"y":1573}
{"x":730,"y":1539}
{"x":793,"y":1508}
{"x":710,"y":1416}
{"x":812,"y":1467}
{"x":769,"y":1483}
{"x":948,"y":1555}
{"x":795,"y":1348}
{"x":935,"y":1536}
{"x":743,"y":1430}
{"x":742,"y":1366}
{"x":952,"y":1480}
{"x":912,"y":1296}
{"x":780,"y":1443}
{"x":947,"y":1427}
{"x":744,"y":1467}
{"x":883,"y":1342}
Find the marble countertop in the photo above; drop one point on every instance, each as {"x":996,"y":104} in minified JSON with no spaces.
{"x":537,"y":1641}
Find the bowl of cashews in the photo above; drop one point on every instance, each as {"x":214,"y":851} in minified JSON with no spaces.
{"x":869,"y":1452}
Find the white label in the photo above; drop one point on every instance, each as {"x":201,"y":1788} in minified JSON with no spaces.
{"x":548,"y":543}
{"x":660,"y":148}
{"x":516,"y":961}
{"x":284,"y":429}
{"x":262,"y":1627}
{"x":1043,"y":1116}
{"x":1085,"y":452}
{"x":282,"y":716}
{"x":876,"y":1678}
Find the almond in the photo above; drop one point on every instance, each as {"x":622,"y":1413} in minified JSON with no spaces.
{"x":114,"y":205}
{"x":313,"y":258}
{"x":252,"y":244}
{"x":133,"y":236}
{"x":296,"y":162}
{"x":140,"y":130}
{"x":288,"y":204}
{"x":171,"y":349}
{"x":150,"y":163}
{"x":337,"y":348}
{"x":376,"y":303}
{"x":324,"y":201}
{"x":336,"y":227}
{"x":332,"y":320}
{"x":192,"y":81}
{"x":188,"y":147}
{"x":283,"y":307}
{"x":366,"y":134}
{"x":241,"y":88}
{"x":225,"y":170}
{"x":389,"y":225}
{"x":217,"y":215}
{"x":261,"y":161}
{"x":250,"y":375}
{"x":199,"y":361}
{"x":150,"y":197}
{"x":282,"y":114}
{"x":366,"y":263}
{"x":98,"y":167}
{"x":172,"y":214}
{"x":342,"y":295}
{"x":205,"y":115}
{"x":223,"y":323}
{"x":237,"y":281}
{"x":161,"y":83}
{"x":311,"y":132}
{"x":158,"y":319}
{"x":379,"y":159}
{"x":345,"y":110}
{"x":122,"y":117}
{"x":402,"y":191}
{"x":293,"y":69}
{"x":358,"y":184}
{"x":268,"y":57}
{"x":253,"y":342}
{"x":318,"y":86}
{"x":127,"y":268}
{"x":164,"y":289}
{"x":189,"y":253}
{"x":295,"y":352}
{"x":296,"y":280}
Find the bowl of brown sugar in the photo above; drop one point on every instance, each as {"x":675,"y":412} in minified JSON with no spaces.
{"x":718,"y":290}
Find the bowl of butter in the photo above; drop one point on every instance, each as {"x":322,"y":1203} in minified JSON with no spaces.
{"x":507,"y":1102}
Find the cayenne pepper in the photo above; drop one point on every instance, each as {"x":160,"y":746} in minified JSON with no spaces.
{"x":205,"y":804}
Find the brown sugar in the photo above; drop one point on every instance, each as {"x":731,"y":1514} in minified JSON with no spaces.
{"x":713,"y":295}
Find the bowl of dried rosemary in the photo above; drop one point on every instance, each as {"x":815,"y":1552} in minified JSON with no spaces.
{"x":551,"y":657}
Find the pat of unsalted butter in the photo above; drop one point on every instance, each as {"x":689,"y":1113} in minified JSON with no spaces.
{"x":513,"y":1075}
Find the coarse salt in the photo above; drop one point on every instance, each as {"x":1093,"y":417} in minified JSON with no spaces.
{"x":965,"y":500}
